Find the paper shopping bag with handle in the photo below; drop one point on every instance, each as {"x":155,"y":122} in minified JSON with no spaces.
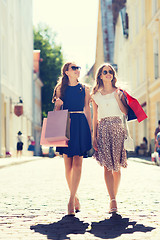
{"x":58,"y":126}
{"x":45,"y":142}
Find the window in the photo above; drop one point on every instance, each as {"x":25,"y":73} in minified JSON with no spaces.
{"x":156,"y":59}
{"x":125,"y":21}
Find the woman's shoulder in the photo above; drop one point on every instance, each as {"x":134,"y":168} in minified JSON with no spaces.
{"x":96,"y":96}
{"x":83,"y":85}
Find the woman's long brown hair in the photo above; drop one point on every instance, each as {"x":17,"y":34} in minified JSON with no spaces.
{"x":99,"y":82}
{"x":62,"y":82}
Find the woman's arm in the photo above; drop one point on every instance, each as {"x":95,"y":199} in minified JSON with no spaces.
{"x":95,"y":123}
{"x":87,"y":109}
{"x":58,"y":102}
{"x":120,"y":99}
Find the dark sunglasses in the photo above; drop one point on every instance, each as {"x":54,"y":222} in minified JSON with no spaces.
{"x":105,"y":72}
{"x":74,"y":68}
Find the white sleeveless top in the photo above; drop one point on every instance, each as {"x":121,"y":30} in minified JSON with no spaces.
{"x":107,"y":105}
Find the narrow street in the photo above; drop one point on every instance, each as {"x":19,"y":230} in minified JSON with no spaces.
{"x":34,"y":195}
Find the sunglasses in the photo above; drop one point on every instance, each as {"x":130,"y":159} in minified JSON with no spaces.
{"x":74,"y":68}
{"x":105,"y":72}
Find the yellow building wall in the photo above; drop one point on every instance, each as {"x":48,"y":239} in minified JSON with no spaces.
{"x":135,"y":59}
{"x":153,"y":32}
{"x":136,"y":48}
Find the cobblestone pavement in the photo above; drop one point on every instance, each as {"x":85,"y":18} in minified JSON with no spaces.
{"x":34,"y":195}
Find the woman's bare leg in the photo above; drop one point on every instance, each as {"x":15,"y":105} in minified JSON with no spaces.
{"x":117,"y":178}
{"x":20,"y":153}
{"x":110,"y":183}
{"x":76,"y":175}
{"x":73,"y":165}
{"x":68,"y":169}
{"x":109,"y":179}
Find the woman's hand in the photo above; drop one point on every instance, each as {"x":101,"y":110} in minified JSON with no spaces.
{"x":95,"y":144}
{"x":118,"y":94}
{"x":58,"y":104}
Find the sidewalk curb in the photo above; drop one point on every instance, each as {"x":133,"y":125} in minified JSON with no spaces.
{"x":17,"y":161}
{"x":140,"y":160}
{"x":9,"y":162}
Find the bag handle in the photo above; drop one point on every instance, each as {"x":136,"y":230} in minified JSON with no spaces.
{"x":125,"y":97}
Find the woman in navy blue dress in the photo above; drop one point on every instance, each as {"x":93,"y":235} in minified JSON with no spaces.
{"x":75,"y":97}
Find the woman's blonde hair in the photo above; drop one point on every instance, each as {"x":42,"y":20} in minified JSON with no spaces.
{"x":99,"y":82}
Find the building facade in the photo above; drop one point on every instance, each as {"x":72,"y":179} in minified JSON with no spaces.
{"x":138,"y":60}
{"x":16,"y":72}
{"x":107,"y":17}
{"x":37,"y":108}
{"x":105,"y":34}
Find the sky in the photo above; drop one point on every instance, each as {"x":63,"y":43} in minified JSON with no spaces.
{"x":75,"y":23}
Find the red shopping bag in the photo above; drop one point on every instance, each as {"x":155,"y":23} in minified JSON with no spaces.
{"x":135,"y":111}
{"x":45,"y":142}
{"x":58,"y":126}
{"x":136,"y":107}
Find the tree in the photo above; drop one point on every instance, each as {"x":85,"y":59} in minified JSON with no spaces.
{"x":50,"y":66}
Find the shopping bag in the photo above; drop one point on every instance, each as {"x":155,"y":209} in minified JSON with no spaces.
{"x":58,"y":126}
{"x":136,"y":107}
{"x":129,"y":144}
{"x":135,"y":111}
{"x":45,"y":142}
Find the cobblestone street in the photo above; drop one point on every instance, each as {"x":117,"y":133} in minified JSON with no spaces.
{"x":34,"y":196}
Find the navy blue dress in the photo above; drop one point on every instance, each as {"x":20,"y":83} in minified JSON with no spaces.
{"x":80,"y":135}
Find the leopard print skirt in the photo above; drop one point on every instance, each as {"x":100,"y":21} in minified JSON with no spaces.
{"x":110,"y":142}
